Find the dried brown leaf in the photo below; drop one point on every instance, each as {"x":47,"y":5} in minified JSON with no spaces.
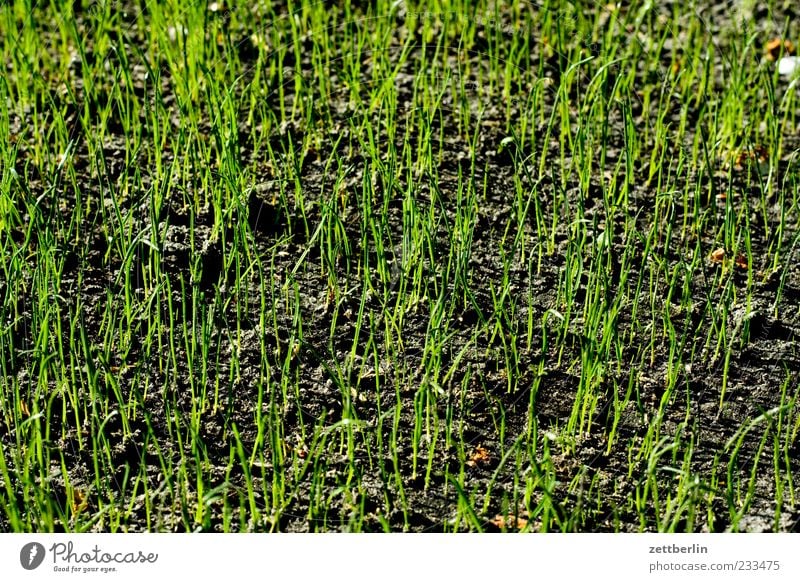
{"x":757,"y":154}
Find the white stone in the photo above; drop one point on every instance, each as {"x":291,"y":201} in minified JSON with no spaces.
{"x":789,"y":66}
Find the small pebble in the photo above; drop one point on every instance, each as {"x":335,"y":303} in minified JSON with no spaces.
{"x":788,"y":66}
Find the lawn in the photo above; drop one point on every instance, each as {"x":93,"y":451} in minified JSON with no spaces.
{"x":466,"y":265}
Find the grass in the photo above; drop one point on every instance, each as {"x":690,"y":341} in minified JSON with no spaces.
{"x":396,"y":267}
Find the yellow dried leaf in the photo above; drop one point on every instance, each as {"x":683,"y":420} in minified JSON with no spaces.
{"x":509,"y":522}
{"x":772,"y":50}
{"x":79,"y":501}
{"x":480,"y":456}
{"x":718,"y":255}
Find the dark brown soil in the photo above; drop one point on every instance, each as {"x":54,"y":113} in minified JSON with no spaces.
{"x":591,"y":486}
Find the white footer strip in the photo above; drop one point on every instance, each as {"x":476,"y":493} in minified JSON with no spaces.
{"x":407,"y":557}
